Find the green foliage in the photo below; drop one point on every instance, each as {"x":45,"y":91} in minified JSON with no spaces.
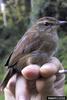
{"x":17,"y":19}
{"x":17,"y":22}
{"x":62,"y":54}
{"x":1,"y":97}
{"x":65,"y":89}
{"x":35,"y":8}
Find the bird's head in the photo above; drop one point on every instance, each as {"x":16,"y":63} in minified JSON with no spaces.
{"x":47,"y":29}
{"x":49,"y":24}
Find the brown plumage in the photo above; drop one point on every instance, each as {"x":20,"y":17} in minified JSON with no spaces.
{"x":36,"y":46}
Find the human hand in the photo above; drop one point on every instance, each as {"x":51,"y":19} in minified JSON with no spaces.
{"x":36,"y":83}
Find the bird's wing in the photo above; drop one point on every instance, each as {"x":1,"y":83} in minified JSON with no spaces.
{"x":8,"y":59}
{"x":28,"y":43}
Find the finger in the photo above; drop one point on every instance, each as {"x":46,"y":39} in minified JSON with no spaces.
{"x":50,"y":68}
{"x":44,"y":85}
{"x":31,"y":72}
{"x":9,"y":91}
{"x":11,"y":85}
{"x":8,"y":94}
{"x":21,"y":89}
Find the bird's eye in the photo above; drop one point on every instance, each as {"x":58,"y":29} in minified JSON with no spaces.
{"x":47,"y":24}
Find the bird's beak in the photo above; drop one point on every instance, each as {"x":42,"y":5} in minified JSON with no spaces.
{"x":62,"y":22}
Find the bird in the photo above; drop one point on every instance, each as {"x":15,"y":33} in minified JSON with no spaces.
{"x":36,"y":46}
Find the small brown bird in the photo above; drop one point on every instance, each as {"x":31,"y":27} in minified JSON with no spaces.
{"x":37,"y":45}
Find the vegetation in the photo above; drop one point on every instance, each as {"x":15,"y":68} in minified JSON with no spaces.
{"x":1,"y":97}
{"x":19,"y":15}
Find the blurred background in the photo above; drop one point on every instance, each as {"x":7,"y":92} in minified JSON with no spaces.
{"x":16,"y":16}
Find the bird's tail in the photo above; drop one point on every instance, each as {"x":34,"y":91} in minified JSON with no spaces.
{"x":8,"y":75}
